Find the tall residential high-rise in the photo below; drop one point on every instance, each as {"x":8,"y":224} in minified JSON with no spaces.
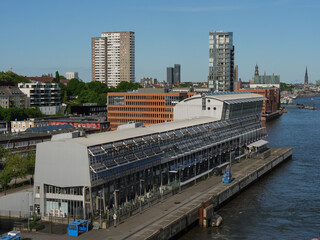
{"x":221,"y":61}
{"x":306,"y":81}
{"x":113,"y":57}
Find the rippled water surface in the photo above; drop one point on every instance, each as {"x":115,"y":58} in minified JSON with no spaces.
{"x":285,"y":204}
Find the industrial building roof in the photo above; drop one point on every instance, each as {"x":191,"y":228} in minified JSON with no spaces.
{"x":49,"y":128}
{"x":113,"y":136}
{"x":235,"y":96}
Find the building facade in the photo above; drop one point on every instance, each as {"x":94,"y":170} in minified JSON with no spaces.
{"x":71,"y":75}
{"x":174,"y":75}
{"x":121,"y":168}
{"x":177,"y":74}
{"x":272,"y":102}
{"x":89,"y":110}
{"x":11,"y":96}
{"x":90,"y":124}
{"x":148,"y":108}
{"x":41,"y":94}
{"x":113,"y":57}
{"x":148,"y":81}
{"x":265,"y":80}
{"x":170,"y":76}
{"x":221,"y":61}
{"x":21,"y":126}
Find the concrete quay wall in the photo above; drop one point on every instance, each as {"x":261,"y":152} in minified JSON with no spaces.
{"x":219,"y":195}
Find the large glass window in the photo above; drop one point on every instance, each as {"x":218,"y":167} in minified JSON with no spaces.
{"x":115,"y":100}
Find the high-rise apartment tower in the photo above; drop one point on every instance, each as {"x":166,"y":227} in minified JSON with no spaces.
{"x":221,"y":61}
{"x":113,"y":57}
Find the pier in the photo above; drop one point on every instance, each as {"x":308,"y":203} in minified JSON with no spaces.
{"x":176,"y":214}
{"x":300,"y":106}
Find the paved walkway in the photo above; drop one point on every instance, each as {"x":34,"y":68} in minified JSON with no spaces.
{"x":142,"y":225}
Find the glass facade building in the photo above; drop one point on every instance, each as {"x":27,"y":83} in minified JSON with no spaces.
{"x":221,"y":61}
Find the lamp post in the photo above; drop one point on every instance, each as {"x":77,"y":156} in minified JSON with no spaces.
{"x":100,"y":205}
{"x":141,"y":180}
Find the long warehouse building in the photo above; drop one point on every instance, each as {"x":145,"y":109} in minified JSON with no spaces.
{"x":79,"y":175}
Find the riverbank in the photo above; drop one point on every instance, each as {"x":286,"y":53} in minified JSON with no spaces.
{"x":176,"y":213}
{"x":308,"y":95}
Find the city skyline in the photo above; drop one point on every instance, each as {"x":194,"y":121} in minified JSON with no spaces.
{"x":174,"y":32}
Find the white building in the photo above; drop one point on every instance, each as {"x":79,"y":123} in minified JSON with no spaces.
{"x":77,"y":176}
{"x":113,"y":57}
{"x":21,"y":126}
{"x":43,"y":95}
{"x":221,"y":61}
{"x":71,"y":75}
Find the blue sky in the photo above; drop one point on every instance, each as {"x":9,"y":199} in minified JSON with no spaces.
{"x":281,"y":36}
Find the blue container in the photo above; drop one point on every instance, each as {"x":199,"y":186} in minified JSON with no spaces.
{"x":75,"y":227}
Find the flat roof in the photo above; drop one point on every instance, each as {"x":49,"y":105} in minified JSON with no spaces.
{"x":226,"y":96}
{"x":113,"y":136}
{"x":258,"y":143}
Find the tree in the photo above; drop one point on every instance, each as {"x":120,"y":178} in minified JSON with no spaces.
{"x":10,"y":114}
{"x":17,"y":166}
{"x":10,"y":78}
{"x":127,"y":86}
{"x":74,"y":87}
{"x":57,"y":78}
{"x":64,"y":92}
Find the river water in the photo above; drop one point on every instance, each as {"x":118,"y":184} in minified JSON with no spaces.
{"x":285,"y":204}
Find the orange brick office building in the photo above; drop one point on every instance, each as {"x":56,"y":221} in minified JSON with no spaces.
{"x":146,"y":107}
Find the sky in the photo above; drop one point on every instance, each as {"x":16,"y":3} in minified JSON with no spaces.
{"x":281,"y":36}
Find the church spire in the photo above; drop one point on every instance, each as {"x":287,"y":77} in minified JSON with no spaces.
{"x":306,"y":82}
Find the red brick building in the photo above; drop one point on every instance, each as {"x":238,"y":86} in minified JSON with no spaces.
{"x":83,"y":124}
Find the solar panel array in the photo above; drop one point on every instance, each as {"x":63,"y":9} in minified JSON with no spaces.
{"x":113,"y":160}
{"x":49,"y":128}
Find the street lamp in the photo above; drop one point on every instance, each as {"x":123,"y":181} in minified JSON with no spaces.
{"x":100,"y":205}
{"x":140,"y":186}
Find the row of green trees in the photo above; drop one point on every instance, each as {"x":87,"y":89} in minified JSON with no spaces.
{"x":78,"y":92}
{"x":10,"y":114}
{"x":287,"y":87}
{"x":10,"y":78}
{"x":15,"y":165}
